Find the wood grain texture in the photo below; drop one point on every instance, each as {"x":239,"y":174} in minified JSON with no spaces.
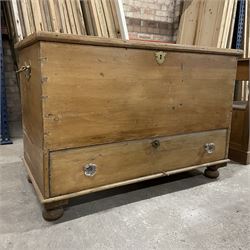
{"x":79,"y":16}
{"x":16,"y":19}
{"x":109,"y":18}
{"x":115,"y":18}
{"x":119,"y":14}
{"x":75,"y":17}
{"x":65,"y":16}
{"x":122,"y":94}
{"x":25,"y":17}
{"x":110,"y":96}
{"x":30,"y":16}
{"x":71,"y":16}
{"x":55,"y":23}
{"x":188,"y":23}
{"x":127,"y":160}
{"x":223,"y":23}
{"x":209,"y":23}
{"x":31,"y":93}
{"x":231,"y":29}
{"x":21,"y":18}
{"x":239,"y":134}
{"x":229,"y":16}
{"x":101,"y":17}
{"x":243,"y":69}
{"x":239,"y":149}
{"x":87,"y":18}
{"x":113,"y":42}
{"x":60,"y":15}
{"x":94,"y":17}
{"x":37,"y":15}
{"x":45,"y":18}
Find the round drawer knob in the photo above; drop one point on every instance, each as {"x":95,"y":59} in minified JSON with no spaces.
{"x":155,"y":143}
{"x":209,"y":147}
{"x":90,"y":169}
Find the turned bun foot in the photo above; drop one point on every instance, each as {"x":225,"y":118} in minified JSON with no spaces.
{"x":28,"y":179}
{"x":53,"y":214}
{"x":54,"y":210}
{"x":212,"y":172}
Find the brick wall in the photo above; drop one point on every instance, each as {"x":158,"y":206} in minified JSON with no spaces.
{"x":152,"y":19}
{"x":12,"y":91}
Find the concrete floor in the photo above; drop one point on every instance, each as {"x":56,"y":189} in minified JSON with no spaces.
{"x":185,"y":211}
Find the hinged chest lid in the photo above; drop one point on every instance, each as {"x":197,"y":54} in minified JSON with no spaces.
{"x":114,"y":42}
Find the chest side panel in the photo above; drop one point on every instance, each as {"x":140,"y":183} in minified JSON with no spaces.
{"x":31,"y":98}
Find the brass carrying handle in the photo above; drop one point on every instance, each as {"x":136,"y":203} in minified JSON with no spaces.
{"x":26,"y":68}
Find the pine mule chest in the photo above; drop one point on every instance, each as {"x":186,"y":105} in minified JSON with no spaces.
{"x":100,"y":113}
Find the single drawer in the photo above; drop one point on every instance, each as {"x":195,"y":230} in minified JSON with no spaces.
{"x":73,"y":170}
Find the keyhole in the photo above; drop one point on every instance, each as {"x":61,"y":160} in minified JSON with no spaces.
{"x":160,"y":57}
{"x":155,"y":143}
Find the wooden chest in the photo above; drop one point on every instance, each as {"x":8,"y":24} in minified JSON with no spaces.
{"x":99,"y":113}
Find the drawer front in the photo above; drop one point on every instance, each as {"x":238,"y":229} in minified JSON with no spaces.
{"x":73,"y":170}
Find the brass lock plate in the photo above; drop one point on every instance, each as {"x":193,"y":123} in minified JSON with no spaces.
{"x":160,"y":57}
